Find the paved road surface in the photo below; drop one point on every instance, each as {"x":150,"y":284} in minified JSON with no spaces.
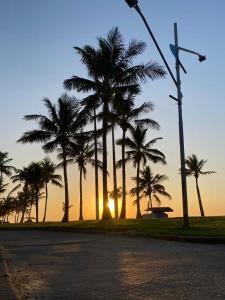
{"x":64,"y":265}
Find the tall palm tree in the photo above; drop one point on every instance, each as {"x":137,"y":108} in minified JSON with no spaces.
{"x":150,"y":185}
{"x":140,"y":152}
{"x":81,"y":153}
{"x":194,"y":168}
{"x":126,"y":114}
{"x":114,"y":173}
{"x":55,"y":131}
{"x":49,"y":168}
{"x":111,"y":69}
{"x":5,"y":168}
{"x":90,"y":104}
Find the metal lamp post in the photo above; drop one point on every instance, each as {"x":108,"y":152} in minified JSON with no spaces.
{"x":175,"y":49}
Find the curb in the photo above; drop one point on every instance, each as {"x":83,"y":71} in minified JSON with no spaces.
{"x":11,"y":289}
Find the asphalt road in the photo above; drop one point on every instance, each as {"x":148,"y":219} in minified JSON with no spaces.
{"x":64,"y":265}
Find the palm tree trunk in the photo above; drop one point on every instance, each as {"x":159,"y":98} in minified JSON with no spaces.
{"x":199,"y":198}
{"x":22,"y":217}
{"x":18,"y":218}
{"x":123,"y":208}
{"x":114,"y":175}
{"x":36,"y":202}
{"x":96,"y":167}
{"x":106,"y":214}
{"x":138,"y":196}
{"x":150,"y":200}
{"x":29,"y":214}
{"x":66,"y":207}
{"x":81,"y":196}
{"x":46,"y":200}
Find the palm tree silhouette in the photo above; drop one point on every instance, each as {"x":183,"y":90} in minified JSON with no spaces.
{"x":111,"y":70}
{"x":116,"y":195}
{"x":23,"y":203}
{"x":7,"y":207}
{"x":140,"y":152}
{"x":49,"y":175}
{"x":31,"y":176}
{"x":90,"y":104}
{"x":150,"y":186}
{"x":81,"y":152}
{"x":22,"y":177}
{"x":126,"y":114}
{"x":3,"y":186}
{"x":5,"y":168}
{"x":55,"y":132}
{"x":35,"y":179}
{"x":194,"y":168}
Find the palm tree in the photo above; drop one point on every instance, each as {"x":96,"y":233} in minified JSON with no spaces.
{"x":114,"y":173}
{"x":23,"y":203}
{"x":21,"y":176}
{"x":81,"y":153}
{"x":116,"y":195}
{"x":151,"y":186}
{"x":35,"y":179}
{"x":140,"y":152}
{"x":194,"y":168}
{"x":49,"y":168}
{"x":7,"y":207}
{"x":111,"y":70}
{"x":55,"y":131}
{"x":126,"y":114}
{"x":31,"y":179}
{"x":5,"y":168}
{"x":3,"y":185}
{"x":90,"y":104}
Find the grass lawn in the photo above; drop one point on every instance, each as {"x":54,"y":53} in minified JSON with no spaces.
{"x":199,"y":227}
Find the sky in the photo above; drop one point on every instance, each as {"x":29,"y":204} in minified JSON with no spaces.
{"x":36,"y":56}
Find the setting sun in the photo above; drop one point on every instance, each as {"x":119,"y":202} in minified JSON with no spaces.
{"x":111,"y":205}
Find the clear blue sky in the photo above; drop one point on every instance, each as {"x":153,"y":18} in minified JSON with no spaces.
{"x":36,"y":55}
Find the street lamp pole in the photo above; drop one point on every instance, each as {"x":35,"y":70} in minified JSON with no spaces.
{"x":181,"y":132}
{"x":177,"y":82}
{"x":175,"y":49}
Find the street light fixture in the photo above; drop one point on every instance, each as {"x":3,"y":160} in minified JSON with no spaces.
{"x":175,"y":50}
{"x":201,"y":58}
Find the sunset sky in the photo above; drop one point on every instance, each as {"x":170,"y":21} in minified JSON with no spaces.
{"x":36,"y":56}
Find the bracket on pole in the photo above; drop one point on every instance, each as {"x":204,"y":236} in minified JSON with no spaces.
{"x":174,"y":98}
{"x":174,"y":50}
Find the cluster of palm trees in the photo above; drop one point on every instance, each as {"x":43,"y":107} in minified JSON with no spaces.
{"x":151,"y":187}
{"x":108,"y":96}
{"x":32,"y":180}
